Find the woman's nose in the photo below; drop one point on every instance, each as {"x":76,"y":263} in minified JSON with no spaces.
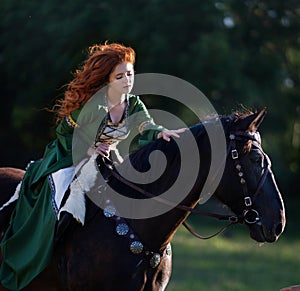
{"x":126,"y":79}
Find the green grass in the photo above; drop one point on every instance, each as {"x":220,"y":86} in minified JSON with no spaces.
{"x":233,"y":262}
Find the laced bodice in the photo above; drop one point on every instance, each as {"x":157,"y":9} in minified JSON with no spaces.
{"x":112,"y":133}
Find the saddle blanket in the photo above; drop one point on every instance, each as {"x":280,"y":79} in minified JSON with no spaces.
{"x":79,"y":179}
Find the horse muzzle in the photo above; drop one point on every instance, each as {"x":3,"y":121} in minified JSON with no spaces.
{"x":267,"y":233}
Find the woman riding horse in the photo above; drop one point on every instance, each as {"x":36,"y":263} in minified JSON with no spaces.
{"x":110,"y":69}
{"x":136,"y":251}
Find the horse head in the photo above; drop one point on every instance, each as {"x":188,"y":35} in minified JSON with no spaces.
{"x":248,"y":185}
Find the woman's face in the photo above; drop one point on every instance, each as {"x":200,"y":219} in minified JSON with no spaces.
{"x":121,"y":79}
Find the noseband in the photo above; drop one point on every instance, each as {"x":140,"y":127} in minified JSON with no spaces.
{"x":250,"y":215}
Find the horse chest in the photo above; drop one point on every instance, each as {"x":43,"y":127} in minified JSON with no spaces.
{"x":104,"y":259}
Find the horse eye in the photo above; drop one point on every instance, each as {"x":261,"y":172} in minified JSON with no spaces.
{"x":256,"y":157}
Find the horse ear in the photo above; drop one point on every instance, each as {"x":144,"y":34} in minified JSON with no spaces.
{"x":259,"y":119}
{"x":253,"y":121}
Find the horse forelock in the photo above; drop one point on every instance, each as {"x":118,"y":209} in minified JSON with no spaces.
{"x":229,"y":125}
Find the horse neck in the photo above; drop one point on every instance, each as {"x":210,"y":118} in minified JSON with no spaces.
{"x":157,"y":232}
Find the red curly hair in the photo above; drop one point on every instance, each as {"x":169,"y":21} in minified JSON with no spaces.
{"x":93,"y":75}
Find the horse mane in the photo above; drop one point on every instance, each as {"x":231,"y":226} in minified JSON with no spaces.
{"x":139,"y":158}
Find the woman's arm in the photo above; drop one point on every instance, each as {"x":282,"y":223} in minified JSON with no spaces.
{"x":146,"y":126}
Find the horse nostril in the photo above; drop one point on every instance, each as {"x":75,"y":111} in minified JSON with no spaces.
{"x":278,"y":229}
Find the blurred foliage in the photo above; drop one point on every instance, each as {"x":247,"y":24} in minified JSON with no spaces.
{"x":236,"y":52}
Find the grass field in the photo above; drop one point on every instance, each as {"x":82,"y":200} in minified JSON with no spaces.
{"x":233,"y":261}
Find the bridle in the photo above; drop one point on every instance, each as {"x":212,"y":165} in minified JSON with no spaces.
{"x":249,"y":216}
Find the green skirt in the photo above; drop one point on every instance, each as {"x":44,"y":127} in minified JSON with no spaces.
{"x":27,"y":245}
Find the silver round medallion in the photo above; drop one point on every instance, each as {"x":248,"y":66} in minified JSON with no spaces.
{"x":238,"y":167}
{"x":122,"y":229}
{"x":169,"y":249}
{"x":136,"y":247}
{"x":109,"y":211}
{"x":155,"y":260}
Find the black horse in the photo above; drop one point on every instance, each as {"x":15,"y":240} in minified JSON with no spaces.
{"x":114,"y":253}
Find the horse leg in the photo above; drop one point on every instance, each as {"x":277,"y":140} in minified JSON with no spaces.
{"x":159,"y":277}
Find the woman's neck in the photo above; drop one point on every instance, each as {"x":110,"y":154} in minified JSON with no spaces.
{"x":115,"y":99}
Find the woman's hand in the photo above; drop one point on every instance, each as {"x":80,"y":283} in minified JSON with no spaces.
{"x":101,"y":148}
{"x":166,"y":134}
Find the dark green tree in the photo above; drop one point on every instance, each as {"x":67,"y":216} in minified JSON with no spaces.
{"x":236,"y":52}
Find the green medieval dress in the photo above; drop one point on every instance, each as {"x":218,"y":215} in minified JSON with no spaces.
{"x":28,"y":243}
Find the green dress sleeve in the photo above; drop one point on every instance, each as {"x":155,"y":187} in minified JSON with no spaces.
{"x":143,"y":121}
{"x":64,"y":134}
{"x":58,"y":153}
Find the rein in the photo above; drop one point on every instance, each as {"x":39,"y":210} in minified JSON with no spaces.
{"x":249,"y":216}
{"x":231,"y":218}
